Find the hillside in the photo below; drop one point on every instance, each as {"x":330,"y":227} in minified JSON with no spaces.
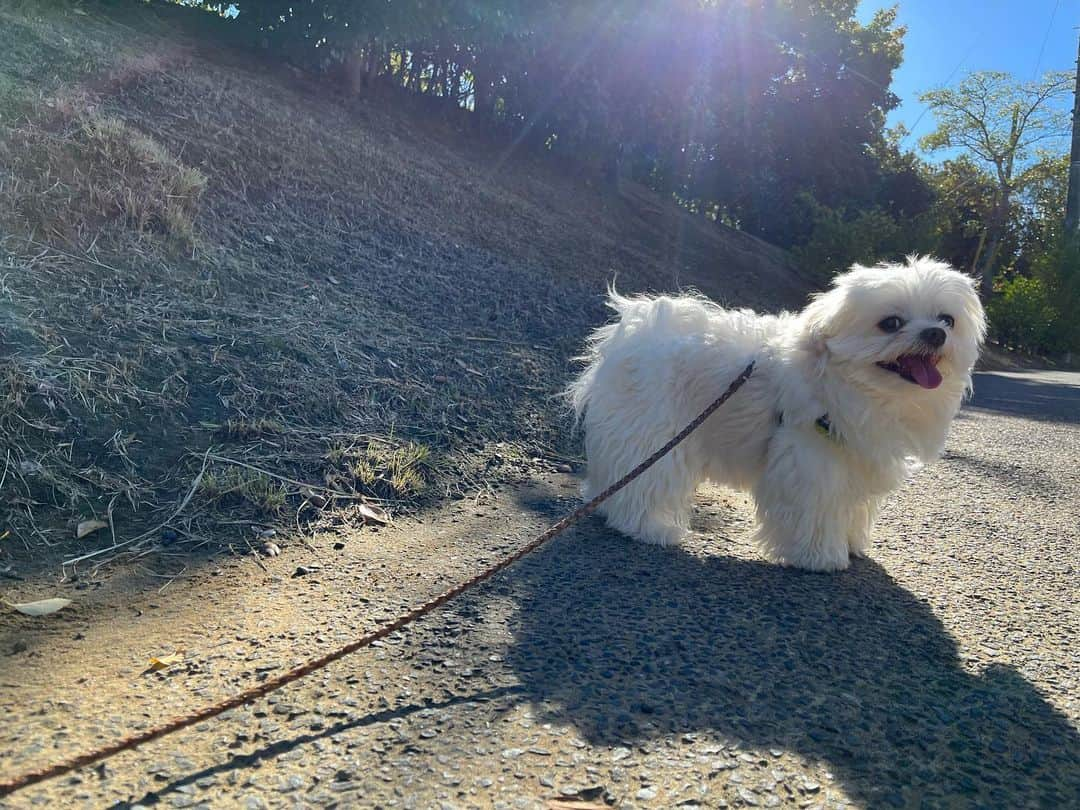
{"x":210,"y":257}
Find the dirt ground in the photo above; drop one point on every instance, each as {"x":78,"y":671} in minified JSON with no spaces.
{"x":941,"y":672}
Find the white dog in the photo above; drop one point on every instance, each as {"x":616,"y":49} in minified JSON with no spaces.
{"x":846,"y":398}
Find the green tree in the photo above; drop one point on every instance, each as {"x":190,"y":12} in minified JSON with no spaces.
{"x":998,"y":122}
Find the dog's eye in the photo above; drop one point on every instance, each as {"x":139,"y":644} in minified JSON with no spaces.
{"x":891,"y":324}
{"x":948,"y":320}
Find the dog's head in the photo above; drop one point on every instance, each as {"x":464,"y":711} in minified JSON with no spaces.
{"x":899,"y":331}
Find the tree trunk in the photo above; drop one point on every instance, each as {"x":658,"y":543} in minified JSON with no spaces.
{"x":436,"y":82}
{"x":412,"y":80}
{"x":987,"y":274}
{"x":481,"y":93}
{"x":978,"y":252}
{"x":999,"y":220}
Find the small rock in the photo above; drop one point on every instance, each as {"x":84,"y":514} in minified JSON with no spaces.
{"x":591,"y":792}
{"x":645,"y":794}
{"x":294,"y":782}
{"x":748,"y":797}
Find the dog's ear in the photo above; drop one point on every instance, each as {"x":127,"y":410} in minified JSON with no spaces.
{"x":817,"y":321}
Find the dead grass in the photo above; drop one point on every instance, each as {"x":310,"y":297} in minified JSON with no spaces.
{"x":237,"y":486}
{"x":73,"y":174}
{"x":344,"y":297}
{"x":391,"y":472}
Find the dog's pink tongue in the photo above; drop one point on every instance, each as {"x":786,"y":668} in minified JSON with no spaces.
{"x":922,"y":369}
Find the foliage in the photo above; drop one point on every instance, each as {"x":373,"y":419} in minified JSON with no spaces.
{"x":964,"y":199}
{"x":1023,"y":316}
{"x":842,"y":237}
{"x":1058,"y":270}
{"x":998,"y":123}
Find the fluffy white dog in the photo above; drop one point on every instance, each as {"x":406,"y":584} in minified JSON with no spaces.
{"x":846,"y":398}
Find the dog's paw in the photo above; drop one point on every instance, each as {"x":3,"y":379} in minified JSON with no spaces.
{"x":663,"y":535}
{"x":822,"y":561}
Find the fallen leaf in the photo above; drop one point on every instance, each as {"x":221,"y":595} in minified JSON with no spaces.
{"x":165,"y":661}
{"x":89,"y":527}
{"x":374,"y":513}
{"x":42,"y":607}
{"x":270,"y":549}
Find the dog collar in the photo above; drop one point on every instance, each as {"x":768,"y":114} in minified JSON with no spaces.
{"x":822,"y":425}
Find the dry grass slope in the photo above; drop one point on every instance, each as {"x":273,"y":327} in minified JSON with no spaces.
{"x":353,"y":298}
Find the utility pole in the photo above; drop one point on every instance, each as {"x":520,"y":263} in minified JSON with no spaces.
{"x":1072,"y":201}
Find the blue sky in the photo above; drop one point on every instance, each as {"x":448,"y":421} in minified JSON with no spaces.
{"x":947,"y":39}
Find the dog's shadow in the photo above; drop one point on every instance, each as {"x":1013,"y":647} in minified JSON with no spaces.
{"x":629,"y":642}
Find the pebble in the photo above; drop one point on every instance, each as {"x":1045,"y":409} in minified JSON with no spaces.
{"x":294,"y":782}
{"x":748,"y":797}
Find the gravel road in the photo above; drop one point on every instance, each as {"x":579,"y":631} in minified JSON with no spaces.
{"x":941,"y":672}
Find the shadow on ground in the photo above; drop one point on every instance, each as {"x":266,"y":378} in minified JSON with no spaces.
{"x":634,"y":642}
{"x":1051,"y":396}
{"x":241,"y":762}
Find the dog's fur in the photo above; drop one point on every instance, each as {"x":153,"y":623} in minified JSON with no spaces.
{"x":821,"y":432}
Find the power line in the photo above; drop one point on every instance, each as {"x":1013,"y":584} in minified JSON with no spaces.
{"x":948,"y":79}
{"x":1046,"y":37}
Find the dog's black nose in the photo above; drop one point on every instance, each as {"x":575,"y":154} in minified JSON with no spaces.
{"x":934,"y":336}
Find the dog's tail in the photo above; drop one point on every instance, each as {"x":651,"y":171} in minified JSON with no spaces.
{"x":630,"y":310}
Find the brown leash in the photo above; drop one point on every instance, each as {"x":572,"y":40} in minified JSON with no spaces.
{"x":33,"y":777}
